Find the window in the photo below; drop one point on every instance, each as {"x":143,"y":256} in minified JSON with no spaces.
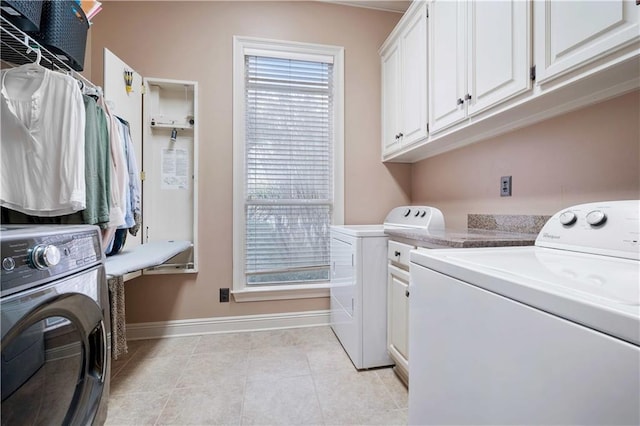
{"x":288,"y":173}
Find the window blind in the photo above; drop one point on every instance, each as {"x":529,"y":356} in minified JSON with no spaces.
{"x":288,"y":166}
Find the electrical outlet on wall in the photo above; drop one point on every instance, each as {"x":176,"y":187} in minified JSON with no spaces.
{"x":505,"y":186}
{"x":224,"y":295}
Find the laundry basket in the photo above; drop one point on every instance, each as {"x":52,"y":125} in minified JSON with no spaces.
{"x":63,"y":30}
{"x":24,"y":14}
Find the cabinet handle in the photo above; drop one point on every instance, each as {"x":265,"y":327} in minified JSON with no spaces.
{"x":406,"y":293}
{"x":460,"y":101}
{"x":467,"y":97}
{"x":397,"y":253}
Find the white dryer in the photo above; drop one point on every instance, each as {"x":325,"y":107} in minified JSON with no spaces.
{"x":547,"y":334}
{"x":359,"y":282}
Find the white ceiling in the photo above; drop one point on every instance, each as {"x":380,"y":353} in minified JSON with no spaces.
{"x":399,"y":6}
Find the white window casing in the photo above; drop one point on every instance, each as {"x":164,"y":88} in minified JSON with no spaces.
{"x":288,"y":178}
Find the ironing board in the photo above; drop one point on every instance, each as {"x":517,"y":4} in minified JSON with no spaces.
{"x":127,"y":261}
{"x":144,"y":256}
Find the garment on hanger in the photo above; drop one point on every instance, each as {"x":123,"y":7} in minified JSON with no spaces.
{"x":133,"y":217}
{"x":97,"y":165}
{"x":117,"y":242}
{"x":42,"y":150}
{"x":118,"y":171}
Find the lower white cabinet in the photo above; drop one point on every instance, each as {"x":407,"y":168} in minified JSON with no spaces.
{"x":398,"y":307}
{"x":399,"y":315}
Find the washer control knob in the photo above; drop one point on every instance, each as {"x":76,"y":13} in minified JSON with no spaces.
{"x":43,"y":256}
{"x":8,"y":263}
{"x":596,"y":218}
{"x":406,"y":212}
{"x":417,"y":214}
{"x":568,"y":218}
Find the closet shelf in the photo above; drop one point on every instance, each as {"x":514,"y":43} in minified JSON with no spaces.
{"x":14,"y":46}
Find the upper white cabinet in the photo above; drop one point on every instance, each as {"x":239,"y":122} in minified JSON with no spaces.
{"x":572,"y":34}
{"x":404,"y":81}
{"x":391,"y":98}
{"x":480,"y":56}
{"x":496,"y":66}
{"x":498,"y":52}
{"x":447,"y":63}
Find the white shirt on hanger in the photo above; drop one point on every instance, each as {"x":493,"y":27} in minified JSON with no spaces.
{"x":42,"y":142}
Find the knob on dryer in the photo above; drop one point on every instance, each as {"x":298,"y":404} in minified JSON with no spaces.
{"x":596,"y":218}
{"x":568,"y":218}
{"x":406,"y":212}
{"x":43,"y":256}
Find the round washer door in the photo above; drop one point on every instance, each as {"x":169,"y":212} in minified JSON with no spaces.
{"x":53,"y":356}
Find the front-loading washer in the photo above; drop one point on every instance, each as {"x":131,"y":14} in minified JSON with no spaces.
{"x":55,"y":345}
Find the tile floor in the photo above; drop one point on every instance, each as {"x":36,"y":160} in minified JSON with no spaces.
{"x":282,"y":377}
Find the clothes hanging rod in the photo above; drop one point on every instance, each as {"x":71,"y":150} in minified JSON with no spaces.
{"x":14,"y":46}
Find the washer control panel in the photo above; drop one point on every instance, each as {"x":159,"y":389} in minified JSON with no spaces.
{"x":36,"y":254}
{"x":608,"y":228}
{"x":415,"y":217}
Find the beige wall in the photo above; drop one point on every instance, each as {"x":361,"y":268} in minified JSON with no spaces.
{"x":587,"y":155}
{"x":193,"y":41}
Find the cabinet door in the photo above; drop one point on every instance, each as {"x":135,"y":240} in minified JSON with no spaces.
{"x":398,"y":314}
{"x":413,"y":42}
{"x":499,"y":51}
{"x":390,"y":98}
{"x":570,"y":34}
{"x":127,"y":105}
{"x":447,"y":68}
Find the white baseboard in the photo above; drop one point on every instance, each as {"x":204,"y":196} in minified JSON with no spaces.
{"x":154,"y":330}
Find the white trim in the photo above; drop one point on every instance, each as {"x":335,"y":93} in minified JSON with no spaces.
{"x":238,"y":163}
{"x":338,"y":146}
{"x":191,"y":327}
{"x":240,"y":47}
{"x":271,"y":53}
{"x":283,"y":292}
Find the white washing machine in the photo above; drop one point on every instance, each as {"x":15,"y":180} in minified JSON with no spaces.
{"x":359,"y":283}
{"x":547,"y":334}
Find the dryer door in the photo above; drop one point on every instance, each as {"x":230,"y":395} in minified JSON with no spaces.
{"x":53,"y":353}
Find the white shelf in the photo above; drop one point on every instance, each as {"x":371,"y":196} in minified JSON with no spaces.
{"x":179,"y":126}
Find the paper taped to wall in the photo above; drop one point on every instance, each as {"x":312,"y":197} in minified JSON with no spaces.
{"x":175,"y":169}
